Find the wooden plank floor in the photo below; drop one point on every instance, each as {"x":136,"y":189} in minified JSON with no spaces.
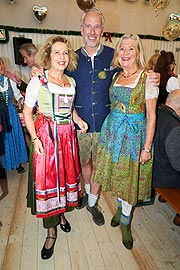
{"x":87,"y":246}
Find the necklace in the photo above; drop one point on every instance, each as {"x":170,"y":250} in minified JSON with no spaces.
{"x":129,"y":75}
{"x":65,"y":94}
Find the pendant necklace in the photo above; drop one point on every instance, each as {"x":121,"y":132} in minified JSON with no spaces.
{"x":129,"y":75}
{"x":65,"y":95}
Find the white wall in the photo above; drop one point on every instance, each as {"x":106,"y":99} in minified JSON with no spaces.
{"x":121,"y":15}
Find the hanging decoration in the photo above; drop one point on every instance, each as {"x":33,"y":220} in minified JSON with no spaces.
{"x":108,"y":37}
{"x":159,"y":4}
{"x":86,"y":4}
{"x":174,"y":17}
{"x":171,"y":31}
{"x":40,"y":12}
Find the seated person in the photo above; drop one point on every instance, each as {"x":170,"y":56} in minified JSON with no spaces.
{"x":166,"y":172}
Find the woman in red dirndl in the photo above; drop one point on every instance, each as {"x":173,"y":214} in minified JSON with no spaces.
{"x":56,"y":180}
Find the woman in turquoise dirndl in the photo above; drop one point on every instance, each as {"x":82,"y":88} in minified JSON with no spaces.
{"x":56,"y":169}
{"x":124,"y":157}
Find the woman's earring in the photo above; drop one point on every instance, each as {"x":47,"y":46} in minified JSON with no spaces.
{"x":138,"y":61}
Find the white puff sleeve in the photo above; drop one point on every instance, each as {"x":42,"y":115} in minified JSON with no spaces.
{"x":151,"y":91}
{"x":172,"y":84}
{"x":32,"y":91}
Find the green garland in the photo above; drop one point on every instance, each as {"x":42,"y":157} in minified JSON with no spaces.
{"x":67,"y":33}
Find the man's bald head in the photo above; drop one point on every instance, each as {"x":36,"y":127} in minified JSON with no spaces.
{"x":173,"y":101}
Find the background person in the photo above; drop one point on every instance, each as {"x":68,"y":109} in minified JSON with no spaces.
{"x":168,"y":79}
{"x":166,"y":171}
{"x":14,"y":144}
{"x":28,"y":52}
{"x":56,"y":163}
{"x":152,"y":61}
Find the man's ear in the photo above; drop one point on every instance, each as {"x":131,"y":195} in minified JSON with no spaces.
{"x":81,"y":30}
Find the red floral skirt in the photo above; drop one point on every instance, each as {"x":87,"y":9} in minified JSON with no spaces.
{"x":57,"y":173}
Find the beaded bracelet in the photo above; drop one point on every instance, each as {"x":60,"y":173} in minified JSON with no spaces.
{"x":147,"y":150}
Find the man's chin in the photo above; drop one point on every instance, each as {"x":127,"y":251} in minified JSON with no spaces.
{"x":93,"y":45}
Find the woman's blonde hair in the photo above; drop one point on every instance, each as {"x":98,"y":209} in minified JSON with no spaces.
{"x":1,"y":60}
{"x":152,"y":61}
{"x":43,"y":56}
{"x":140,"y":61}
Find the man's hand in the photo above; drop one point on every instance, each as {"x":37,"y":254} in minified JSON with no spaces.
{"x":153,"y":78}
{"x":36,"y":70}
{"x":82,"y":125}
{"x":20,"y":103}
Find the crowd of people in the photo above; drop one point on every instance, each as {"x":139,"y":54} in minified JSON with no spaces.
{"x":94,"y":126}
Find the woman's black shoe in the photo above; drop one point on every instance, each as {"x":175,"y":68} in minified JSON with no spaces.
{"x":46,"y":253}
{"x":65,"y":227}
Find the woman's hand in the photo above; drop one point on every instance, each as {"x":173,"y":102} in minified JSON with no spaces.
{"x":144,"y":157}
{"x":13,"y":77}
{"x":38,"y":148}
{"x":20,"y":103}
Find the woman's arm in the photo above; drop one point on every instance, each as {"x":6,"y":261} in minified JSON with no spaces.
{"x":28,"y":118}
{"x":150,"y":129}
{"x":30,"y":100}
{"x":16,"y":91}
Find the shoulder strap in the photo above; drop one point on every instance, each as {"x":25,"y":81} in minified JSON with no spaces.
{"x":114,"y":78}
{"x":71,"y":80}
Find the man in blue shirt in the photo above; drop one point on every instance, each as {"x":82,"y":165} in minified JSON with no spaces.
{"x":93,"y":78}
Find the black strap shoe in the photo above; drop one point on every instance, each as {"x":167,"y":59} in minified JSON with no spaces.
{"x":46,"y":253}
{"x":64,"y":224}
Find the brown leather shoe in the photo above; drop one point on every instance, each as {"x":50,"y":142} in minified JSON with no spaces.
{"x":161,"y":199}
{"x":176,"y":220}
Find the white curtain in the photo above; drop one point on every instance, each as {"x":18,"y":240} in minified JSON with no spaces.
{"x":149,"y":45}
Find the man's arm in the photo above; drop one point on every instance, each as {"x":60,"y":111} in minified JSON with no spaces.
{"x":21,"y":85}
{"x":172,"y":147}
